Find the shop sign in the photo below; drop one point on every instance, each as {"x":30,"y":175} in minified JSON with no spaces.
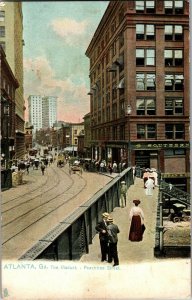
{"x":159,"y":145}
{"x":175,"y":175}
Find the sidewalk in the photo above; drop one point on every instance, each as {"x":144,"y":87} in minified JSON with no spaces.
{"x":129,"y":251}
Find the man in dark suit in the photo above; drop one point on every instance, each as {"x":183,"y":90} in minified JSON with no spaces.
{"x":103,"y":236}
{"x":113,"y":230}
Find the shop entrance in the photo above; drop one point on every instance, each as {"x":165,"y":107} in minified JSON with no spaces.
{"x":142,"y":159}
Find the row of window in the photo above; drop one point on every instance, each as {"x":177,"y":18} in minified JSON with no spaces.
{"x":2,"y":16}
{"x":147,"y":106}
{"x":144,"y":32}
{"x":144,"y":107}
{"x":170,"y":7}
{"x":144,"y":132}
{"x":147,"y":32}
{"x":146,"y":82}
{"x":149,"y":131}
{"x":146,"y":57}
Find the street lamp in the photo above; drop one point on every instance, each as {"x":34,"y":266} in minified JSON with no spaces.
{"x":129,"y":111}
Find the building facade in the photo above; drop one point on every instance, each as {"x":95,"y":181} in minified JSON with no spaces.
{"x":49,"y":111}
{"x":8,"y":84}
{"x":87,"y":136}
{"x":139,"y":86}
{"x":42,"y":111}
{"x":28,"y":137}
{"x":35,"y":111}
{"x":11,"y":39}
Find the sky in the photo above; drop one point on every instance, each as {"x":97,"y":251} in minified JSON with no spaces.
{"x":57,"y":35}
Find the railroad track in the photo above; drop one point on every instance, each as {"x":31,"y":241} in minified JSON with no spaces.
{"x":21,"y":212}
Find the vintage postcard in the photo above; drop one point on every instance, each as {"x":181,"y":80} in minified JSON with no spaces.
{"x":95,"y":150}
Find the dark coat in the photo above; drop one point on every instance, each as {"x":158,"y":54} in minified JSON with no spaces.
{"x":113,"y":230}
{"x":101,"y":226}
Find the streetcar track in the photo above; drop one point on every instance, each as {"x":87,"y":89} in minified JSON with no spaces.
{"x":37,"y":196}
{"x":31,"y":191}
{"x":85,"y":183}
{"x":38,"y":206}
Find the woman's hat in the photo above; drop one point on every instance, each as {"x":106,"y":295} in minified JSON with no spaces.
{"x":122,"y":182}
{"x":136,"y":201}
{"x":105,"y":215}
{"x":110,"y":219}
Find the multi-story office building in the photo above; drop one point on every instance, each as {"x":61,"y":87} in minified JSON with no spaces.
{"x":35,"y":111}
{"x":139,"y":80}
{"x":42,"y":111}
{"x":49,"y":111}
{"x":11,"y":39}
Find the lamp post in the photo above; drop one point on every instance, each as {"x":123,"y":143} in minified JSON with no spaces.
{"x":129,"y":111}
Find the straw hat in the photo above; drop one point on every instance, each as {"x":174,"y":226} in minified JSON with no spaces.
{"x":122,"y":182}
{"x":110,"y":219}
{"x":105,"y":215}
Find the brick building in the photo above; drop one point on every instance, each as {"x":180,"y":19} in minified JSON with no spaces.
{"x":139,"y":86}
{"x":8,"y":84}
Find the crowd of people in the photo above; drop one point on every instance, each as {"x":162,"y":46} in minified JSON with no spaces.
{"x":104,"y":167}
{"x":34,"y":163}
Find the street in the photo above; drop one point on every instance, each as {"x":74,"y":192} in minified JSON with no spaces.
{"x":31,"y":210}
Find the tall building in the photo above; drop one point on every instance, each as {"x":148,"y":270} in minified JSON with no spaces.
{"x":35,"y":111}
{"x":49,"y":111}
{"x":139,"y":86}
{"x":11,"y":39}
{"x":42,"y":111}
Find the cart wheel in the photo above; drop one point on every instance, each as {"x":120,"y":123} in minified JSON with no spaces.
{"x":176,"y":219}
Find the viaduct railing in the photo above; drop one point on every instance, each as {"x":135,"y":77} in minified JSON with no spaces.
{"x":71,"y":238}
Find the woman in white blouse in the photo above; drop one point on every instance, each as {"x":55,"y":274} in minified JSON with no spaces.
{"x":137,"y":220}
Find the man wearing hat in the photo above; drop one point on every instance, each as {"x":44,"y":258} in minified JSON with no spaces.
{"x":113,"y":230}
{"x":103,"y":236}
{"x":123,"y":191}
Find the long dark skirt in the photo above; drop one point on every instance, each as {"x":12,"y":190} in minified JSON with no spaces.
{"x":135,"y":233}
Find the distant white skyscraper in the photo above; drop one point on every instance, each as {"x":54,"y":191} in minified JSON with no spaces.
{"x":35,"y":111}
{"x":42,"y":111}
{"x":49,"y":111}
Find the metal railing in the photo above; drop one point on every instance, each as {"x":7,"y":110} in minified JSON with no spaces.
{"x":169,"y":190}
{"x":71,"y":238}
{"x":173,"y":192}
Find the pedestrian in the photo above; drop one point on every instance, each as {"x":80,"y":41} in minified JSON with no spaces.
{"x":149,"y":185}
{"x":123,"y":191}
{"x":110,"y":169}
{"x":137,"y":222}
{"x":114,"y":167}
{"x":42,"y":168}
{"x":103,"y":236}
{"x":102,"y":166}
{"x":27,"y":166}
{"x":113,"y":230}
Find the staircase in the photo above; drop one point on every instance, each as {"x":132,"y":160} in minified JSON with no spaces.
{"x":173,"y":192}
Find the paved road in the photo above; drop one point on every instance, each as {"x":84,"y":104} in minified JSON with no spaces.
{"x":31,"y":210}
